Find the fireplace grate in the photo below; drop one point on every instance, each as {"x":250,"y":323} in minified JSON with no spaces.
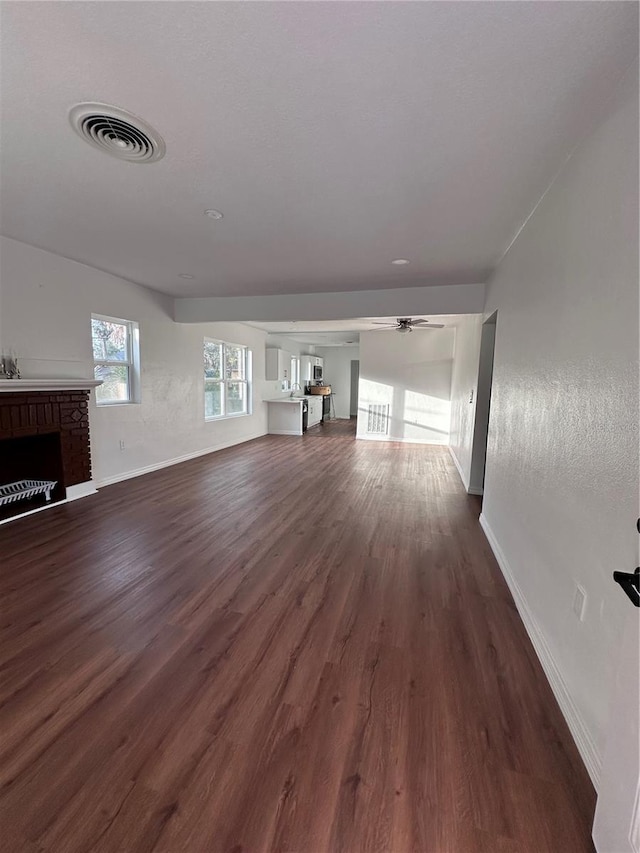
{"x":23,"y":489}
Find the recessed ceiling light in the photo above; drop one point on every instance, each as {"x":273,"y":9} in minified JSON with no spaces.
{"x":400,"y":262}
{"x":185,"y":275}
{"x":214,"y":214}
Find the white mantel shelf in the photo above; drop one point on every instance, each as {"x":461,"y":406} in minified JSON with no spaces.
{"x":18,"y":385}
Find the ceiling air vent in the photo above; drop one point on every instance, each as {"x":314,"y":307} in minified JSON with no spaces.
{"x":117,"y":132}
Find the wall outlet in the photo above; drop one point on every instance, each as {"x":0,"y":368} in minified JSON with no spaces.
{"x":121,"y":444}
{"x":580,"y":602}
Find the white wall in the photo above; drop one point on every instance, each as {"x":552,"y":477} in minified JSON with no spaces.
{"x":47,"y":302}
{"x":464,"y":390}
{"x":393,"y":302}
{"x":337,"y":372}
{"x":561,"y":485}
{"x":412,"y":373}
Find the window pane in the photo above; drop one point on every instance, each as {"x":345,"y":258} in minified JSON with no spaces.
{"x":109,"y":340}
{"x":236,"y":398}
{"x":115,"y":383}
{"x":234,"y":362}
{"x":212,"y":398}
{"x":212,"y":360}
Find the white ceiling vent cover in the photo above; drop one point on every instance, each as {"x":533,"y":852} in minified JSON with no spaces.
{"x":117,"y":132}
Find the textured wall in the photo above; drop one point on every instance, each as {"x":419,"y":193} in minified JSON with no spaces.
{"x":561,"y":487}
{"x":47,"y":302}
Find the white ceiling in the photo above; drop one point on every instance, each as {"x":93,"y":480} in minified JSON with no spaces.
{"x":334,"y":136}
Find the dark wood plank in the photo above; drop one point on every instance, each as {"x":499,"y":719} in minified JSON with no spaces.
{"x":297,"y":644}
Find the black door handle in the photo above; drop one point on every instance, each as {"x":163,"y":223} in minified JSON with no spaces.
{"x":630,"y":583}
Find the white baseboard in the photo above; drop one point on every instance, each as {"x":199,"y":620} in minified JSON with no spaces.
{"x":32,"y":511}
{"x":388,"y":438}
{"x":581,"y":735}
{"x":471,"y":490}
{"x":72,"y":494}
{"x":81,"y":490}
{"x":147,"y":469}
{"x":285,"y":431}
{"x":456,"y":462}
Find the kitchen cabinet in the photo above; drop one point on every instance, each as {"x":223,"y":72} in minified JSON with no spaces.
{"x":315,"y":410}
{"x":278,"y":365}
{"x":306,"y":369}
{"x":307,"y":363}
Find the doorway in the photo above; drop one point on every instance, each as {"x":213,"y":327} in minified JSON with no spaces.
{"x":483,"y":406}
{"x":355,"y":379}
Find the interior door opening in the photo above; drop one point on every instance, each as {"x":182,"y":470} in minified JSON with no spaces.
{"x":483,"y":406}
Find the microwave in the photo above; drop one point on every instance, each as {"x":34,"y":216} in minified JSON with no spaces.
{"x":317,"y":373}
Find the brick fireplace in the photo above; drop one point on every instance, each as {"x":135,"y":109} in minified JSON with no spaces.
{"x":44,"y":434}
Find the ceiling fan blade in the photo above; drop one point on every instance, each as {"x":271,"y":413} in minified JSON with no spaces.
{"x":418,"y":321}
{"x":378,"y":323}
{"x":432,"y":326}
{"x":382,"y":328}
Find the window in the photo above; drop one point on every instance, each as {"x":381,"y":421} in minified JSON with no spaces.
{"x":295,"y":370}
{"x":227,"y":374}
{"x":115,"y":359}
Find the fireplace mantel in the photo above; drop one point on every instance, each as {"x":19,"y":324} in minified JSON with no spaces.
{"x":18,"y":386}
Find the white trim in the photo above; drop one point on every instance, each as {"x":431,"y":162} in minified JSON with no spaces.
{"x":634,"y":832}
{"x":132,"y":362}
{"x":20,"y":385}
{"x":81,"y":490}
{"x":147,"y":469}
{"x":288,"y":431}
{"x":456,"y":461}
{"x":388,"y":438}
{"x":577,"y":726}
{"x":209,"y":418}
{"x":32,"y":511}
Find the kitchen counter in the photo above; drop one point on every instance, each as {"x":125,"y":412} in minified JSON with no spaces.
{"x":285,"y":415}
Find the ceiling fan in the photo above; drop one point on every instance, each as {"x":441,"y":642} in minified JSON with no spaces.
{"x":407,"y":324}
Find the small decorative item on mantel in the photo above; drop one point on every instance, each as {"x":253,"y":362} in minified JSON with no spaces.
{"x":9,"y":366}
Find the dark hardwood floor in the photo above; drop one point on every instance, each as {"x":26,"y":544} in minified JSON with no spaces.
{"x":296,"y":644}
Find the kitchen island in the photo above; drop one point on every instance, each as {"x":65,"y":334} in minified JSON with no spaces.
{"x":286,"y":414}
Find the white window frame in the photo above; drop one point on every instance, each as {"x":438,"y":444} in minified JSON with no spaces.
{"x":132,"y":361}
{"x":295,"y":371}
{"x":224,"y":382}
